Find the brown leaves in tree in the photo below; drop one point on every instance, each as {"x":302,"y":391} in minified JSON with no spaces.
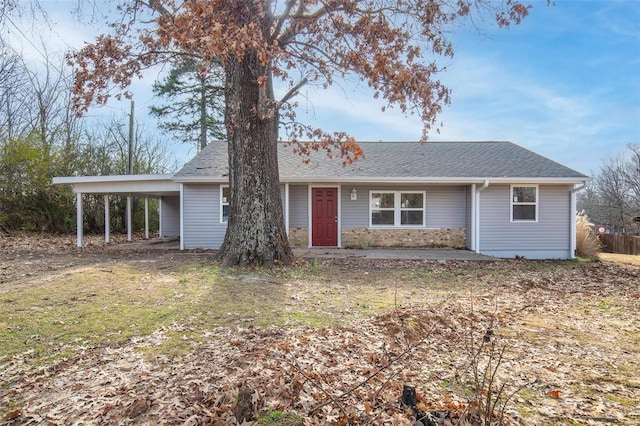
{"x":391,"y":45}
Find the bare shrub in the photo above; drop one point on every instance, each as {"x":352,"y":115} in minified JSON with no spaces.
{"x":587,"y":242}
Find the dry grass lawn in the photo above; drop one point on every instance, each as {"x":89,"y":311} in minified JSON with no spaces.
{"x":622,"y":259}
{"x":101,"y":336}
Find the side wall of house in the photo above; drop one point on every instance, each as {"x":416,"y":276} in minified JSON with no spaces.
{"x":170,"y":216}
{"x":203,"y":227}
{"x":548,"y":238}
{"x":201,"y":223}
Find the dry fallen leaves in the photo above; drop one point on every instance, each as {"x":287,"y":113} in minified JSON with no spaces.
{"x":579,"y":367}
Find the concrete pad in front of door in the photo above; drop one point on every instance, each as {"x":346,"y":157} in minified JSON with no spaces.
{"x":392,"y":253}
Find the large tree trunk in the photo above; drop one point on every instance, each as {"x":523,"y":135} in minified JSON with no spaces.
{"x":255,"y":231}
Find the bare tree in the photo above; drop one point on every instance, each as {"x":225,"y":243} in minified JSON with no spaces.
{"x":13,"y":94}
{"x":589,"y":201}
{"x":42,"y":137}
{"x":104,"y":151}
{"x":49,"y":109}
{"x":631,"y":175}
{"x":613,"y":190}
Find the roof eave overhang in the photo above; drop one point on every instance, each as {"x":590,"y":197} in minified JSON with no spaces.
{"x":110,"y":178}
{"x":201,"y":179}
{"x":400,"y":180}
{"x":443,"y":180}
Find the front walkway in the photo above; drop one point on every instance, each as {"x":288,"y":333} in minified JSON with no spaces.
{"x":392,"y":253}
{"x":334,"y":253}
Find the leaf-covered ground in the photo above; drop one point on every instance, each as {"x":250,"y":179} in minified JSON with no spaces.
{"x":102,"y":336}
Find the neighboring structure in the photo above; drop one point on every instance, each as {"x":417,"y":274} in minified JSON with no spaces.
{"x":495,"y":198}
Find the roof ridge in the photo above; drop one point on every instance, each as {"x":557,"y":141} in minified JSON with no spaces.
{"x":415,"y":141}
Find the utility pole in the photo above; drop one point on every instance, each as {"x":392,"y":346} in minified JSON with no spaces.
{"x":130,"y":159}
{"x":130,"y":171}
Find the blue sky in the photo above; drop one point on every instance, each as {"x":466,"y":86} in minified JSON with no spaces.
{"x":565,"y":83}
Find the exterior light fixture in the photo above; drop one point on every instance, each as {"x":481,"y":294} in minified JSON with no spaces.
{"x":354,"y":194}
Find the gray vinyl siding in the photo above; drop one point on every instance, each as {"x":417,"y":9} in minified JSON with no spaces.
{"x":355,"y":214}
{"x":202,"y":226}
{"x":170,"y":216}
{"x":201,"y":208}
{"x":548,"y":238}
{"x":298,"y":206}
{"x":445,"y":205}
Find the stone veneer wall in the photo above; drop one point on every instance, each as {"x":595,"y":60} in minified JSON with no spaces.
{"x":365,"y":237}
{"x":299,"y":237}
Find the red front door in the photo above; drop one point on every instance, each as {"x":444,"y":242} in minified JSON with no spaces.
{"x":324,"y":217}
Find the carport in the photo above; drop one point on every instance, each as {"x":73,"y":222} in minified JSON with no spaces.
{"x":140,"y":186}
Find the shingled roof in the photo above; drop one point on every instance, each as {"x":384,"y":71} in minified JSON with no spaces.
{"x":397,"y":161}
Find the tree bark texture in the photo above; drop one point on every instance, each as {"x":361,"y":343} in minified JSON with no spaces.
{"x":255,"y":229}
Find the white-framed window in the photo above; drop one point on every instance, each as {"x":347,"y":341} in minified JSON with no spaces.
{"x":396,"y":208}
{"x":224,"y":203}
{"x":524,"y":203}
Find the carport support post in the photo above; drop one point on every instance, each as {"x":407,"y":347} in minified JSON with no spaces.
{"x":107,"y":220}
{"x":146,"y":217}
{"x":286,"y":207}
{"x":79,"y":219}
{"x":129,"y":221}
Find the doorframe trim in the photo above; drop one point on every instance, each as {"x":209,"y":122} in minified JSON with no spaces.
{"x":310,"y":187}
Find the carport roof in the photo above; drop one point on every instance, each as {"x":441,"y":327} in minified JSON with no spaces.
{"x":152,"y":185}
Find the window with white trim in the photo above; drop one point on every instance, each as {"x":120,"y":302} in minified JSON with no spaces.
{"x":396,"y":208}
{"x":524,"y":203}
{"x":224,"y":203}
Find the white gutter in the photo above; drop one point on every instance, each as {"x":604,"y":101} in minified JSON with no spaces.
{"x":109,"y":178}
{"x":476,"y":224}
{"x":393,"y":180}
{"x":572,"y":219}
{"x":579,"y":188}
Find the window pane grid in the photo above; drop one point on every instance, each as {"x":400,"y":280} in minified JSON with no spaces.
{"x":524,"y":203}
{"x":397,"y":209}
{"x":224,"y":203}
